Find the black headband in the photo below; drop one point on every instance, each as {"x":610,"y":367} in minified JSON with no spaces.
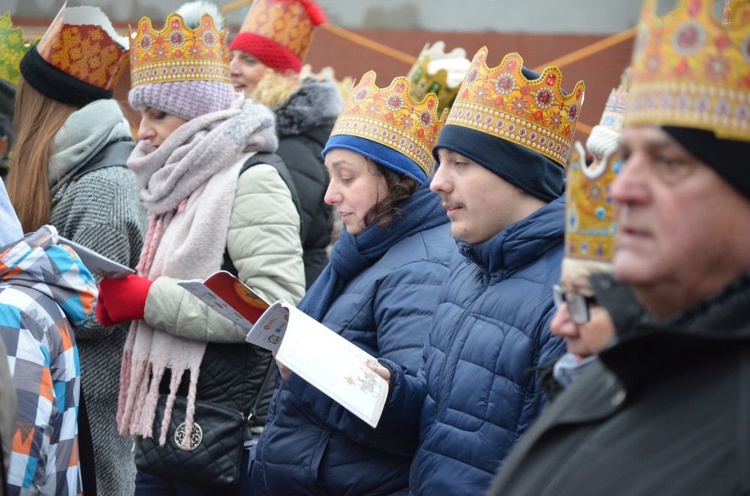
{"x":57,"y":84}
{"x":729,"y":158}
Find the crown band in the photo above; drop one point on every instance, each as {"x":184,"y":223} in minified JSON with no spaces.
{"x":511,"y":128}
{"x":178,"y":53}
{"x":387,"y":134}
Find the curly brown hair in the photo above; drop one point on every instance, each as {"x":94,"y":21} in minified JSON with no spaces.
{"x":400,"y":188}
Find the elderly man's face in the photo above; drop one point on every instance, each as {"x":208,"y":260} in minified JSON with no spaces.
{"x":682,"y":230}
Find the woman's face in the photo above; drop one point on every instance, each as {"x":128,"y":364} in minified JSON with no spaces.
{"x":354,"y":188}
{"x":581,"y":339}
{"x":246,"y":71}
{"x":157,"y":125}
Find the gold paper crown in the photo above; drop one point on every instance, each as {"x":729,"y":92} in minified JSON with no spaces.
{"x":179,"y":53}
{"x":590,"y":219}
{"x":391,"y":117}
{"x":502,"y":102}
{"x":13,"y":47}
{"x":82,"y":42}
{"x":690,"y":69}
{"x":438,"y":72}
{"x":328,"y":74}
{"x":289,"y":23}
{"x":614,"y":109}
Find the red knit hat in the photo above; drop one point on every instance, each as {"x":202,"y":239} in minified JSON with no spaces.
{"x":279,"y":32}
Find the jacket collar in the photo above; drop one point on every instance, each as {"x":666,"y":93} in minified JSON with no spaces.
{"x":718,"y":323}
{"x":315,"y":104}
{"x":520,"y":243}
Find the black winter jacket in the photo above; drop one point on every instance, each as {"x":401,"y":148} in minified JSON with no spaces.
{"x":664,"y":411}
{"x":303,"y":125}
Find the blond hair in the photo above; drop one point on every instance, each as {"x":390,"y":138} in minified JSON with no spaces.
{"x":275,"y":88}
{"x":37,"y":119}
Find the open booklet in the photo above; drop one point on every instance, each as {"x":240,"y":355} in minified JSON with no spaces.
{"x":323,"y":358}
{"x":98,"y":264}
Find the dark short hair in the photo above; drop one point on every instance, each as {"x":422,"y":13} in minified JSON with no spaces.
{"x":400,"y":188}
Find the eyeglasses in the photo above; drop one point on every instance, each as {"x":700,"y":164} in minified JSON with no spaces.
{"x":579,"y":305}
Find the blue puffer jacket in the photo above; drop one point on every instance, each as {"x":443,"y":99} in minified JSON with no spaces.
{"x":312,"y":445}
{"x":491,"y":328}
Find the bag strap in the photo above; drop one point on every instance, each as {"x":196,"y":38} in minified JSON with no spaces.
{"x":114,"y":154}
{"x":252,"y":416}
{"x":277,"y":163}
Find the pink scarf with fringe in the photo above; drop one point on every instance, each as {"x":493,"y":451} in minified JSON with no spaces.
{"x":187,"y":186}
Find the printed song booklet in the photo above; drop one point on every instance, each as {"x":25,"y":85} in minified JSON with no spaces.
{"x":323,"y":358}
{"x":98,"y":264}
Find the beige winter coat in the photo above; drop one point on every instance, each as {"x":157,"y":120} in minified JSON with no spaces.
{"x":264,"y":245}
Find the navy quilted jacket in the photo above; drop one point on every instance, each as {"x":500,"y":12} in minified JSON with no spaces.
{"x":491,"y":329}
{"x":312,"y":445}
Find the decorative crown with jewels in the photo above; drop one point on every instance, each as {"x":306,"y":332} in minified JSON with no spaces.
{"x":290,"y":23}
{"x":589,"y":210}
{"x":13,"y":47}
{"x":536,"y":114}
{"x":692,"y":69}
{"x":438,"y":72}
{"x":614,"y":109}
{"x":390,"y":116}
{"x":82,"y":43}
{"x":179,"y":53}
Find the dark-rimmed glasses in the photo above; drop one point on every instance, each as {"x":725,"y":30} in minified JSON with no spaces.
{"x":579,"y":305}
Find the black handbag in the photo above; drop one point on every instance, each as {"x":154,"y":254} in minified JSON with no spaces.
{"x":214,"y":455}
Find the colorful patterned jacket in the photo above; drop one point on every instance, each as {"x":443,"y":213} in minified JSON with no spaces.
{"x":45,"y":291}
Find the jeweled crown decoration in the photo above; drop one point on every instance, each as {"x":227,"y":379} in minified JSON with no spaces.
{"x":82,"y":42}
{"x":691,"y":69}
{"x":436,"y":71}
{"x":287,"y":22}
{"x":590,"y":217}
{"x":13,"y":47}
{"x":178,"y":53}
{"x":500,"y":101}
{"x":391,"y":117}
{"x":614,"y":109}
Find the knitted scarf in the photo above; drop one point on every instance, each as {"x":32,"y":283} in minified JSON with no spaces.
{"x":186,"y":186}
{"x":353,"y":254}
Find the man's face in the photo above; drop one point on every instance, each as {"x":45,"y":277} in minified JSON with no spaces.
{"x":681,"y":229}
{"x":479,"y":203}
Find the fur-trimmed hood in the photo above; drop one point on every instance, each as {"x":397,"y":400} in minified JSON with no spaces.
{"x":315,"y":103}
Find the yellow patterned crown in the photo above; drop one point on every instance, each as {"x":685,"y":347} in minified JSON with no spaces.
{"x":391,"y":117}
{"x":691,"y":69}
{"x":179,"y":53}
{"x":536,"y":114}
{"x":438,"y":72}
{"x":13,"y":47}
{"x":590,"y":219}
{"x":290,"y":23}
{"x":82,"y":42}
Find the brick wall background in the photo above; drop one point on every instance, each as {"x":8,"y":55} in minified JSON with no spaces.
{"x":601,"y":72}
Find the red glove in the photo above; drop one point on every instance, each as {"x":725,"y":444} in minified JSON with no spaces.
{"x":122,"y":299}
